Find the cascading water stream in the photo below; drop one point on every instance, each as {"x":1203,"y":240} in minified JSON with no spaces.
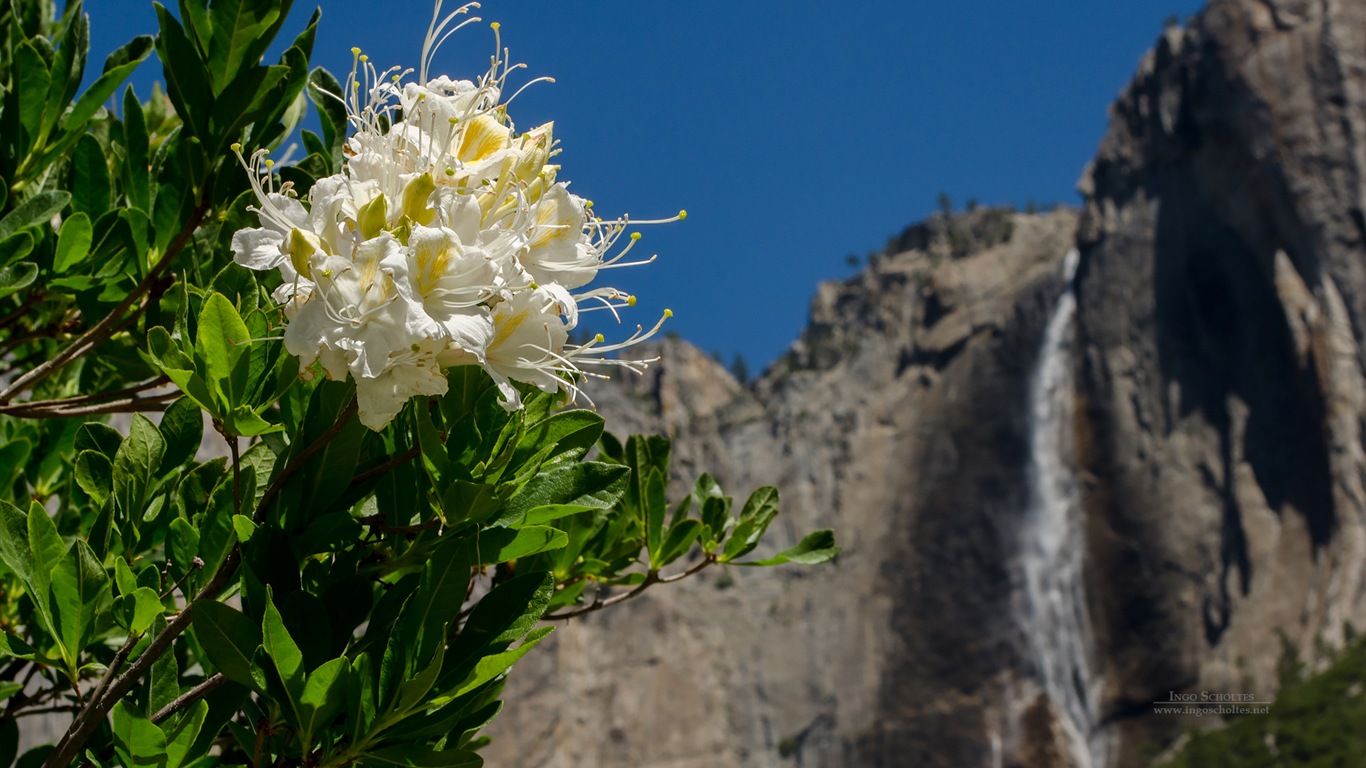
{"x":1054,"y":616}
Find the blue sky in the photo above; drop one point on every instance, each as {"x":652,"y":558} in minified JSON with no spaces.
{"x":794,"y":133}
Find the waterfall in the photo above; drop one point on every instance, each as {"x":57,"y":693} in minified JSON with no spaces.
{"x":1053,"y":613}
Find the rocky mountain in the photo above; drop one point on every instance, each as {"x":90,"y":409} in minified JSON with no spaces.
{"x":897,"y":419}
{"x":1208,"y":404}
{"x":1222,"y":304}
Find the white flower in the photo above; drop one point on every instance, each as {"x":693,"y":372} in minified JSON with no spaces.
{"x":454,"y":283}
{"x":559,"y":251}
{"x":527,"y":332}
{"x":356,"y":309}
{"x":446,"y":240}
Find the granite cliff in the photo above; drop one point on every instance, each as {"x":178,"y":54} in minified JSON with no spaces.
{"x":1217,"y":431}
{"x":1222,"y":305}
{"x":897,"y":419}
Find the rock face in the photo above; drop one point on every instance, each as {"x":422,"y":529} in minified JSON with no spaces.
{"x":1222,"y":308}
{"x":1220,"y":419}
{"x":897,"y":420}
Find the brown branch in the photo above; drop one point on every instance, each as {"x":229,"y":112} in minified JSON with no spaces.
{"x":297,"y":463}
{"x":33,"y":298}
{"x":397,"y":461}
{"x":95,"y":398}
{"x":651,"y":579}
{"x":46,"y":710}
{"x":191,"y":696}
{"x":114,"y":666}
{"x":101,"y":331}
{"x":56,"y":409}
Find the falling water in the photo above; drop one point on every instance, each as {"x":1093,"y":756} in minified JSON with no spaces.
{"x":1054,"y":615}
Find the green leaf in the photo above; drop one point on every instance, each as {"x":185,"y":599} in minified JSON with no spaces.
{"x":492,"y":666}
{"x":172,"y":360}
{"x":91,"y":187}
{"x":412,"y":689}
{"x":38,"y":209}
{"x":135,"y":463}
{"x":8,"y":689}
{"x":47,"y":547}
{"x":182,"y":547}
{"x":17,"y":277}
{"x":329,"y":532}
{"x":163,"y":679}
{"x":221,"y":341}
{"x":187,"y":81}
{"x":241,"y":32}
{"x":655,"y":506}
{"x":440,"y":593}
{"x":501,"y":545}
{"x":135,"y":611}
{"x":591,"y":484}
{"x":14,"y":549}
{"x":282,"y":650}
{"x":15,"y":247}
{"x":182,"y":430}
{"x":78,"y":584}
{"x":681,"y":537}
{"x":243,"y":527}
{"x":759,"y":511}
{"x":73,"y":244}
{"x":571,"y":432}
{"x":140,"y":744}
{"x":323,"y":696}
{"x":182,"y":731}
{"x":124,"y":578}
{"x":551,"y":512}
{"x":815,"y":548}
{"x":238,"y":285}
{"x":327,"y":95}
{"x":31,"y":82}
{"x":418,"y":756}
{"x":230,"y":640}
{"x":93,"y":436}
{"x":135,"y":167}
{"x":244,"y":421}
{"x":505,"y":614}
{"x":11,"y":645}
{"x":117,"y":67}
{"x":95,"y":475}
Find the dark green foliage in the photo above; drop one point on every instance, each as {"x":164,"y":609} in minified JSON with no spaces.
{"x":1316,"y":721}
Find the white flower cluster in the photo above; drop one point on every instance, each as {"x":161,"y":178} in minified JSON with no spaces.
{"x":447,"y":240}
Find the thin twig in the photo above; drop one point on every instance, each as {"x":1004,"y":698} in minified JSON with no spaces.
{"x":397,"y":461}
{"x":297,"y":463}
{"x":651,"y":579}
{"x":56,"y":409}
{"x":33,"y":298}
{"x":191,"y":696}
{"x":126,"y":393}
{"x":195,"y":565}
{"x":47,"y":710}
{"x":236,"y":470}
